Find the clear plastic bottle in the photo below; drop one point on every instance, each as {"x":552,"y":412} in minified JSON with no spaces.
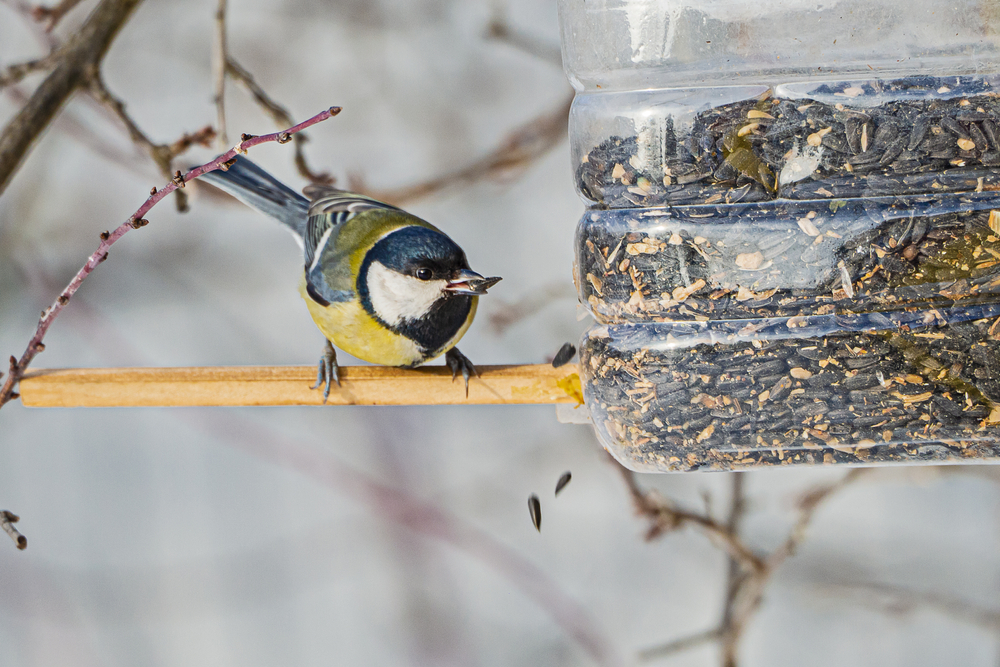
{"x":793,"y":235}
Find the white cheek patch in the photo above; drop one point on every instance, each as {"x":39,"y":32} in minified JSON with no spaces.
{"x":396,"y":297}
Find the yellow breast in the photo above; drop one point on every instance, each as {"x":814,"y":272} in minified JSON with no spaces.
{"x":350,"y":328}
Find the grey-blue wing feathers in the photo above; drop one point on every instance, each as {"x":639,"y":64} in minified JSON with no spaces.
{"x":259,"y":190}
{"x":328,"y":278}
{"x":316,"y":220}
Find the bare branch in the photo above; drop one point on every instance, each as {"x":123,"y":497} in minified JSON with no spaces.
{"x":499,"y":30}
{"x":162,"y":154}
{"x":52,"y":15}
{"x":748,"y":575}
{"x":896,"y":600}
{"x":14,"y":73}
{"x":219,"y":59}
{"x":280,"y":116}
{"x":7,"y":521}
{"x":517,"y":151}
{"x":734,"y":576}
{"x":750,"y":591}
{"x":664,"y":517}
{"x":808,"y":505}
{"x":135,"y":221}
{"x":27,"y":11}
{"x":679,"y":645}
{"x":82,"y":52}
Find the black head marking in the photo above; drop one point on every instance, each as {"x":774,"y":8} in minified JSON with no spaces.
{"x":414,"y":249}
{"x":409,"y":249}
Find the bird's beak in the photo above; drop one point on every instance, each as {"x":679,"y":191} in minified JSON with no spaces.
{"x":470,"y":282}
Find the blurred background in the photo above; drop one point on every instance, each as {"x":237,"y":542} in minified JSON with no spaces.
{"x":395,"y":536}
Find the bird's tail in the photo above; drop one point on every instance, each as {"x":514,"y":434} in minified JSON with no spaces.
{"x":259,"y":190}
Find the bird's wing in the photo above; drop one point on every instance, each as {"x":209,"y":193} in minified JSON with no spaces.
{"x":329,"y":276}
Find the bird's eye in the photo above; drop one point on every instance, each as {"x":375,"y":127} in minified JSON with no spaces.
{"x":424,"y":274}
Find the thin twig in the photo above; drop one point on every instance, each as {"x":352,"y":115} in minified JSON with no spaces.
{"x":280,"y":116}
{"x":75,"y":60}
{"x":7,"y":521}
{"x":749,"y":595}
{"x":664,"y":518}
{"x":219,"y":59}
{"x":136,"y":220}
{"x":162,"y":154}
{"x":749,"y":574}
{"x":734,"y":574}
{"x":518,"y":150}
{"x":679,"y":645}
{"x":27,"y":11}
{"x":808,"y":505}
{"x":896,"y":600}
{"x":499,"y":30}
{"x":52,"y":15}
{"x":16,"y":72}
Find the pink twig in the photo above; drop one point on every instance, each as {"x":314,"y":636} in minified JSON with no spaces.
{"x":135,"y":221}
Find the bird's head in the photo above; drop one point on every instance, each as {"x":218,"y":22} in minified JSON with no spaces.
{"x":417,"y":278}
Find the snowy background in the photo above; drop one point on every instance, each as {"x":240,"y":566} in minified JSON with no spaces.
{"x":387,"y":536}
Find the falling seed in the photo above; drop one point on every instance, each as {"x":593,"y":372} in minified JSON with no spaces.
{"x":564,"y":355}
{"x":535,"y":510}
{"x":563,"y":481}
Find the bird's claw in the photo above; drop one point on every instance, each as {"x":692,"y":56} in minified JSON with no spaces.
{"x":459,"y":362}
{"x":327,"y":371}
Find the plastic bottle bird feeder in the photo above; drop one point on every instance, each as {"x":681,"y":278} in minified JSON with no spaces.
{"x":792,"y":241}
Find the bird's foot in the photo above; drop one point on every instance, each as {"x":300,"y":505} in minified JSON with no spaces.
{"x":327,"y":371}
{"x":459,"y":362}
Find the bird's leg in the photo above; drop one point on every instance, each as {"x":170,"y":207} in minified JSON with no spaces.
{"x":459,"y":362}
{"x":327,"y":372}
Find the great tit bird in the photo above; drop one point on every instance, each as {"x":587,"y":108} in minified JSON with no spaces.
{"x":380,"y":283}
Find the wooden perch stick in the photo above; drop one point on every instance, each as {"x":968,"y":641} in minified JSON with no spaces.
{"x":290,"y":385}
